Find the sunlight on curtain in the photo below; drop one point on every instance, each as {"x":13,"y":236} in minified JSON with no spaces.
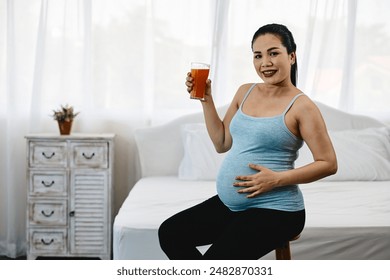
{"x":342,"y":67}
{"x":372,"y":60}
{"x":142,"y":51}
{"x":132,"y":56}
{"x":243,"y":24}
{"x":122,"y":64}
{"x":16,"y":62}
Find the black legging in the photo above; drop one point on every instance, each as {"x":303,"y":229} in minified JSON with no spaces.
{"x":242,"y":235}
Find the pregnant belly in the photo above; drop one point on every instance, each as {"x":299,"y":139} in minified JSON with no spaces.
{"x":231,"y":167}
{"x":287,"y":198}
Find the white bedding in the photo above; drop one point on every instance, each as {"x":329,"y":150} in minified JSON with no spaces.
{"x":356,"y":228}
{"x":348,"y":214}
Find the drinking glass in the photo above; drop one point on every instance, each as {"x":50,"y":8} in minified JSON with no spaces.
{"x":200,"y":73}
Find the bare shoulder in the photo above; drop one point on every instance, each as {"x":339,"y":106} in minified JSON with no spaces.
{"x":241,"y":91}
{"x":244,"y":88}
{"x":305,"y":107}
{"x":236,"y":102}
{"x":308,"y":117}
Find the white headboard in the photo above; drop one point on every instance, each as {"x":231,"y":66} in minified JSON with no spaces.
{"x":161,"y":151}
{"x":339,"y":120}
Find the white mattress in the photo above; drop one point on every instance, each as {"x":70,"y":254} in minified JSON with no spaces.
{"x":345,"y":220}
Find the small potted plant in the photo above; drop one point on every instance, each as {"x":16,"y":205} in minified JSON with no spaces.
{"x":64,"y":116}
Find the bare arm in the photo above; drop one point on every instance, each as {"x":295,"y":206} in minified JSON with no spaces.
{"x":218,"y":129}
{"x":313,"y":131}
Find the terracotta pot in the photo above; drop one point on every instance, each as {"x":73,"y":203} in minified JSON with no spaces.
{"x":65,"y":127}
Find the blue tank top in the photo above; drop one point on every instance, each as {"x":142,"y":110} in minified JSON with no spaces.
{"x":265,"y":141}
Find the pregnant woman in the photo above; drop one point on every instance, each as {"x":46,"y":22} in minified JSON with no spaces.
{"x":259,"y":205}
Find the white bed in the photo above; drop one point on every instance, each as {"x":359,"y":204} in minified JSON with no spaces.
{"x":348,"y":214}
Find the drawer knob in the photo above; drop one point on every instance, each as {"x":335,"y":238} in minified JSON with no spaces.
{"x":48,"y":184}
{"x":71,"y":214}
{"x":88,"y":156}
{"x":47,"y":242}
{"x":48,"y":156}
{"x":47,"y":215}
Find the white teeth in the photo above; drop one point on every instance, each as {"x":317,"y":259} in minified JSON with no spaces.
{"x":268,"y":72}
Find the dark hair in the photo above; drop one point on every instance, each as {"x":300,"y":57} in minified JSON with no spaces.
{"x":287,"y":40}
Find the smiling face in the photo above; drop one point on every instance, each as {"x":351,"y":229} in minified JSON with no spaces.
{"x":271,"y":60}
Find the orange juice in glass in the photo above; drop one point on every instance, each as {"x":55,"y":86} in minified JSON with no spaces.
{"x":199,"y":72}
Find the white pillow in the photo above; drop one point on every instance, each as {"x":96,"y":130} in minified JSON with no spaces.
{"x":159,"y":149}
{"x":362,"y":154}
{"x":200,"y":160}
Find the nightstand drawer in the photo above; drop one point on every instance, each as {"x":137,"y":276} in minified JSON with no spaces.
{"x":47,"y":212}
{"x":91,"y":155}
{"x":69,"y":195}
{"x":48,"y":183}
{"x":48,"y":154}
{"x":48,"y":241}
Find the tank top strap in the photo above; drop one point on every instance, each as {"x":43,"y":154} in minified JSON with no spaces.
{"x":292,"y":102}
{"x":247,"y":94}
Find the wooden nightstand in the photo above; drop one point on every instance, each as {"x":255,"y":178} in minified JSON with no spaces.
{"x":69,"y":202}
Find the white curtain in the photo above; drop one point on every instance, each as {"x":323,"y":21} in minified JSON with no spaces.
{"x":122,"y":65}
